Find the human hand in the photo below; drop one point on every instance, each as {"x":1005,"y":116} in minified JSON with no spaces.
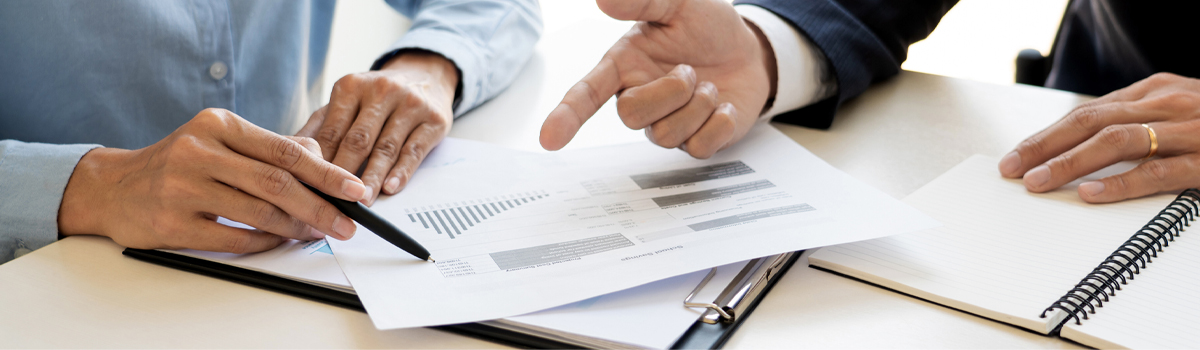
{"x":387,"y":120}
{"x":668,"y":70}
{"x":1107,"y":130}
{"x":168,"y":195}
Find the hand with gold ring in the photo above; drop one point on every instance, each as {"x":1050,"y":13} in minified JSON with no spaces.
{"x":1157,"y":116}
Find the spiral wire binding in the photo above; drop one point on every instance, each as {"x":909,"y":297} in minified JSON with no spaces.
{"x":1129,"y":260}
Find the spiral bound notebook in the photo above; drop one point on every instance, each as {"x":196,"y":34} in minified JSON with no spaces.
{"x":1120,"y":275}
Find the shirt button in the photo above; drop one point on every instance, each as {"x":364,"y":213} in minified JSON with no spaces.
{"x":218,"y":70}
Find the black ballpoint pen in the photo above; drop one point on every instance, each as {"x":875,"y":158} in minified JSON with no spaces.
{"x":376,"y":224}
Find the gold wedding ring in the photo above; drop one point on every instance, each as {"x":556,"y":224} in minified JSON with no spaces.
{"x":1153,"y":142}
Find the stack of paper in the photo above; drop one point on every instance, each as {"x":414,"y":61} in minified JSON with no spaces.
{"x":521,"y":234}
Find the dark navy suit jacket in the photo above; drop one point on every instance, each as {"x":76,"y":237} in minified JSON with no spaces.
{"x":1102,"y":45}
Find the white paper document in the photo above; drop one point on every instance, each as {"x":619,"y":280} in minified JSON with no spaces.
{"x":312,"y":262}
{"x":533,"y":232}
{"x":650,"y":315}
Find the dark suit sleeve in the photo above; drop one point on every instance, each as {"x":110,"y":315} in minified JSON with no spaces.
{"x":864,"y":41}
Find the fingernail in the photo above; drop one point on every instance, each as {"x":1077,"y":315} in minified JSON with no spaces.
{"x":1010,"y":163}
{"x":1038,"y":176}
{"x":392,"y":184}
{"x":1092,"y":188}
{"x":316,"y":234}
{"x":343,"y":227}
{"x":354,"y":190}
{"x":367,"y":200}
{"x":687,"y":70}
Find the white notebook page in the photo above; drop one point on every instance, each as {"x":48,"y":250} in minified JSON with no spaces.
{"x":1003,"y":253}
{"x":1158,"y":309}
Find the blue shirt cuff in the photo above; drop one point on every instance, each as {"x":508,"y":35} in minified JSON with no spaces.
{"x":33,"y":177}
{"x":487,"y":40}
{"x":454,"y":48}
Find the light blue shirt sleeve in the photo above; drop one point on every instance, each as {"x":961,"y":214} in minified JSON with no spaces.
{"x":489,"y":41}
{"x":125,"y":74}
{"x":33,"y":177}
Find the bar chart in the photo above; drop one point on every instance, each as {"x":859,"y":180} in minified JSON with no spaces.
{"x":456,"y":219}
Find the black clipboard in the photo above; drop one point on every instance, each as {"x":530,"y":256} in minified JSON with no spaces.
{"x":715,"y":326}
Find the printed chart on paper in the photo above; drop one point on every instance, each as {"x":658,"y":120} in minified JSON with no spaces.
{"x":599,"y":215}
{"x":527,"y":233}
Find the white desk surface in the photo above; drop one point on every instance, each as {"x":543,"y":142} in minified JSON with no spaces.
{"x":82,"y":293}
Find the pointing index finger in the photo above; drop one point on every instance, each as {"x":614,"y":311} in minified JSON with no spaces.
{"x":580,"y":103}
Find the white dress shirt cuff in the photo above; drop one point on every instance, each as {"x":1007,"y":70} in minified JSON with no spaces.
{"x":803,"y":73}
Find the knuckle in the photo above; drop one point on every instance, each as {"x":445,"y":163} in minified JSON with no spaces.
{"x":1120,"y":183}
{"x":332,"y":174}
{"x":1084,"y":119}
{"x":266,"y":215}
{"x":1033,"y":145}
{"x":1162,"y":77}
{"x":307,"y":141}
{"x":411,"y":100}
{"x":677,"y":84}
{"x":310,"y":144}
{"x":346,"y":82}
{"x":636,"y":120}
{"x":1157,"y":171}
{"x":414,"y":150}
{"x":625,"y":103}
{"x":323,"y":215}
{"x":207,"y":118}
{"x":287,"y":153}
{"x":383,"y":85}
{"x":238,"y":244}
{"x":219,"y":117}
{"x":439,"y":119}
{"x":1090,"y":103}
{"x":329,"y":137}
{"x":1067,"y":162}
{"x":633,"y":122}
{"x":727,"y":121}
{"x":1115,"y":136}
{"x":188,"y":146}
{"x":1182,"y":101}
{"x":594,"y":96}
{"x":275,"y":181}
{"x":387,"y":148}
{"x":699,"y":150}
{"x":357,"y":140}
{"x":664,"y":136}
{"x":423,"y":112}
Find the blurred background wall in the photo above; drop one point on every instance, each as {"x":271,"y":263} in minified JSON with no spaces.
{"x":978,"y":39}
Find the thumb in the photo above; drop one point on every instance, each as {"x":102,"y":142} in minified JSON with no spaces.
{"x":657,"y":11}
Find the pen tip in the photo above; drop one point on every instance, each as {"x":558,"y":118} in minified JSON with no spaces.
{"x":431,"y":260}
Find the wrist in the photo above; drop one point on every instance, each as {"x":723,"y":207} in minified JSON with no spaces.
{"x":768,"y":63}
{"x":86,"y":193}
{"x":435,"y":68}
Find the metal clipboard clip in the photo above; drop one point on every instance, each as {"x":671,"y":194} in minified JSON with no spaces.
{"x":737,"y":296}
